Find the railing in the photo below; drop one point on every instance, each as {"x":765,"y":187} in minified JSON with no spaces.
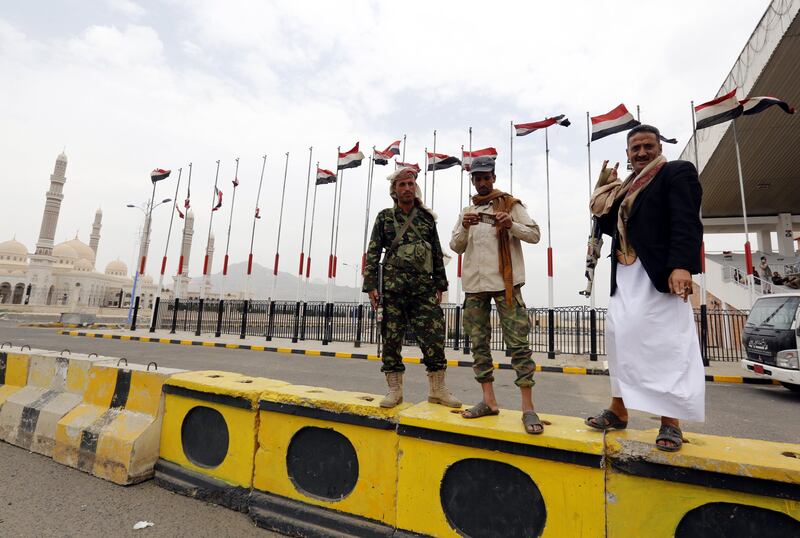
{"x":574,"y":330}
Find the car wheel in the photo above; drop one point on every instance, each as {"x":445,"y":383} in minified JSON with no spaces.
{"x":791,"y":386}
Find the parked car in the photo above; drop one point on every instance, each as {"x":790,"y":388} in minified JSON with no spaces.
{"x":772,"y":338}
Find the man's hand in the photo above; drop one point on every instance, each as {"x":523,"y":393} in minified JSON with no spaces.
{"x":503,"y":219}
{"x":438,"y":296}
{"x":470,"y":219}
{"x":607,"y":175}
{"x":373,"y":298}
{"x":680,"y":283}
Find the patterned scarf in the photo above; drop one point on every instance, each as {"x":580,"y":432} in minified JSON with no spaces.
{"x":502,"y":202}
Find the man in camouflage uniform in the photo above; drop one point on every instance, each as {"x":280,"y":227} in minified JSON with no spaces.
{"x":489,"y":233}
{"x":413,"y":282}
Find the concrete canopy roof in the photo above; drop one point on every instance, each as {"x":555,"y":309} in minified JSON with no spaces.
{"x":769,"y":142}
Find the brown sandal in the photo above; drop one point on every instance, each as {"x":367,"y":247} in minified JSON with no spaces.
{"x":530,"y":420}
{"x":479,"y":410}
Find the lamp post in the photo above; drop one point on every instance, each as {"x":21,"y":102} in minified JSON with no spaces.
{"x":355,"y":280}
{"x":147,"y":210}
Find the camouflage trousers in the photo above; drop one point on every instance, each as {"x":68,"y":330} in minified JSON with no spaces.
{"x":516,"y":327}
{"x":421,"y":313}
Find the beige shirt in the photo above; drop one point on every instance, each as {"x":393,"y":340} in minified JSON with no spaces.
{"x":480,"y":270}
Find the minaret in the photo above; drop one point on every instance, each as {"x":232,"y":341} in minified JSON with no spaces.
{"x":52,"y":207}
{"x":94,"y":239}
{"x":210,"y":253}
{"x":182,"y":281}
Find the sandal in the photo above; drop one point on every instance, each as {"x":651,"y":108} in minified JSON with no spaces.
{"x":530,"y":420}
{"x":607,"y":420}
{"x":672,"y":434}
{"x":479,"y":410}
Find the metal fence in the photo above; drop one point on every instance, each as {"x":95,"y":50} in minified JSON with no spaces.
{"x":576,"y":330}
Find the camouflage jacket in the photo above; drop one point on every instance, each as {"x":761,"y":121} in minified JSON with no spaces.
{"x":394,"y":278}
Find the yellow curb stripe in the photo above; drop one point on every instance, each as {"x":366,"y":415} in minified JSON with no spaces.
{"x":728,"y":379}
{"x":412,"y":360}
{"x":108,"y":336}
{"x":373,"y":358}
{"x":125,"y":337}
{"x":208,"y":344}
{"x":284,"y":350}
{"x":164,"y":341}
{"x":257,"y":348}
{"x":312,"y":352}
{"x":574,"y":370}
{"x":186,"y":342}
{"x":342,"y":355}
{"x":452,"y":362}
{"x":232,"y":346}
{"x":538,"y":367}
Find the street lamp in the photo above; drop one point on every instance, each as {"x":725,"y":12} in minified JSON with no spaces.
{"x":355,"y":280}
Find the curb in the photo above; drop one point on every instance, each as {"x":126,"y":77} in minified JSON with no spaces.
{"x":364,"y":356}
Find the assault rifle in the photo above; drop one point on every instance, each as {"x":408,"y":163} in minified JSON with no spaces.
{"x":379,"y":310}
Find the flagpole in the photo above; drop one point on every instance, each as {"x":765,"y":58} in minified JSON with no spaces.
{"x":333,"y":226}
{"x":206,"y":268}
{"x":280,"y":226}
{"x":549,"y":239}
{"x":589,"y":162}
{"x":166,"y":247}
{"x":178,"y":281}
{"x":310,"y":240}
{"x":305,"y":214}
{"x":469,"y":182}
{"x":425,"y":178}
{"x":511,"y":156}
{"x":371,"y":176}
{"x":338,"y":217}
{"x":748,"y":255}
{"x":638,"y":117}
{"x":703,"y":290}
{"x":404,"y":148}
{"x":460,"y":207}
{"x":253,"y":233}
{"x":230,"y":224}
{"x":433,"y":174}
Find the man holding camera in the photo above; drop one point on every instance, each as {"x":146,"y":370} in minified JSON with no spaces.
{"x":413,"y":282}
{"x":489,"y":234}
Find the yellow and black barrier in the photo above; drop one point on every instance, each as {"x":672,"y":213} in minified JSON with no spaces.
{"x":209,"y":435}
{"x":487,"y":477}
{"x":55,"y":385}
{"x":114,"y":433}
{"x":326,"y":461}
{"x":715,"y":486}
{"x":13,"y":373}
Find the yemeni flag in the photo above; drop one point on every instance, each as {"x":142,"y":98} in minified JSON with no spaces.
{"x":235,"y":182}
{"x":719,"y":110}
{"x":616,"y":121}
{"x":467,"y":156}
{"x":413,"y":166}
{"x":382,"y":157}
{"x":218,"y":196}
{"x":527,"y":128}
{"x":258,"y":212}
{"x":440,"y":161}
{"x":350,"y":159}
{"x":158,"y":174}
{"x":325,"y":176}
{"x":178,"y":209}
{"x":754,"y":105}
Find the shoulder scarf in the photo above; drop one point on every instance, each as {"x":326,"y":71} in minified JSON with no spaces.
{"x":502,"y":202}
{"x":605,"y":196}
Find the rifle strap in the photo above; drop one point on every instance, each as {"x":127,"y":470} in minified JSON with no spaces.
{"x":403,"y":230}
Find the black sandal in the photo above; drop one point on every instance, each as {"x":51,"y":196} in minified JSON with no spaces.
{"x":530,"y":420}
{"x":607,"y":420}
{"x":479,"y":410}
{"x":672,"y":434}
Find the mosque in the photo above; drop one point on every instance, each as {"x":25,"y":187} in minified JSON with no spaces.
{"x":64,"y":274}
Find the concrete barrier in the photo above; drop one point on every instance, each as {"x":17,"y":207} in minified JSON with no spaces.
{"x":714,"y":487}
{"x":209,"y":435}
{"x":461,"y":477}
{"x":55,"y":385}
{"x":114,"y":433}
{"x":13,"y":373}
{"x":326,"y":463}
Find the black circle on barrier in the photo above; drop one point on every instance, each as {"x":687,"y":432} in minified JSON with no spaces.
{"x":204,"y":436}
{"x":490,"y":498}
{"x":322,"y":463}
{"x":731,"y":520}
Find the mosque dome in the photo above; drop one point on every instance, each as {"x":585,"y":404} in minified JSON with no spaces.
{"x":65,"y":253}
{"x":117,"y":268}
{"x":83,"y":265}
{"x":82,"y":250}
{"x":13,"y":252}
{"x":147,"y":279}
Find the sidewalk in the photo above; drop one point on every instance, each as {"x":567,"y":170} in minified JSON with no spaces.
{"x":727,"y":372}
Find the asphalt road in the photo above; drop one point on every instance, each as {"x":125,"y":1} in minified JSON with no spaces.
{"x":42,"y":498}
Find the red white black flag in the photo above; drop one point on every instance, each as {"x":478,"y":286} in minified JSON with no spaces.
{"x":467,"y":156}
{"x":616,"y":121}
{"x":754,"y":105}
{"x":350,"y":159}
{"x":178,"y":209}
{"x":235,"y":182}
{"x":218,"y":196}
{"x":258,"y":212}
{"x":719,"y":110}
{"x":440,"y":161}
{"x":527,"y":128}
{"x":413,"y":166}
{"x":158,"y":174}
{"x":325,"y":176}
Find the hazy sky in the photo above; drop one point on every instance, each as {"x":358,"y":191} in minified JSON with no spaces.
{"x":128,"y":86}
